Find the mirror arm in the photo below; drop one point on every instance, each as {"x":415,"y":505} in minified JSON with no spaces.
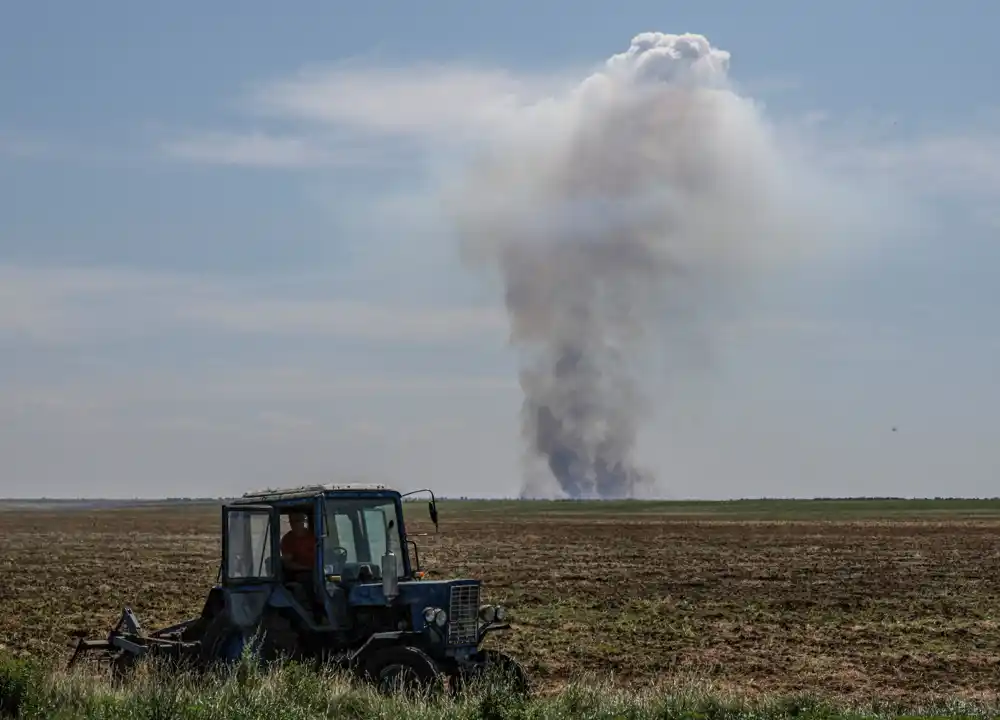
{"x":432,"y":505}
{"x":426,"y":490}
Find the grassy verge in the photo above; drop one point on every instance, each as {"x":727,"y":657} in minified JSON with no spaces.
{"x":296,"y":693}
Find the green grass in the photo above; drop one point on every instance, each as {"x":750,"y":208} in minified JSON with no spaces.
{"x":296,"y":693}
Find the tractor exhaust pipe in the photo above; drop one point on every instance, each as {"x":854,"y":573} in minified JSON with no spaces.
{"x":390,"y":577}
{"x":390,"y":571}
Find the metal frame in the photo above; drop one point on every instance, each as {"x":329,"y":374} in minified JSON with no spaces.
{"x":127,"y":636}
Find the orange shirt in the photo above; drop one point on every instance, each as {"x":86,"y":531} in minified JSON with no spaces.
{"x":302,"y":548}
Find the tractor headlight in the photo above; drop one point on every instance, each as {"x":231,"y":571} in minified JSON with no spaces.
{"x":429,"y":614}
{"x":487,"y":613}
{"x":440,"y":617}
{"x":501,"y":613}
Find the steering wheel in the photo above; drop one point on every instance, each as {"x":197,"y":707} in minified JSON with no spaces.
{"x":340,"y":552}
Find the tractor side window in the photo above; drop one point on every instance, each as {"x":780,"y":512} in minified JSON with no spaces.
{"x":249,"y":545}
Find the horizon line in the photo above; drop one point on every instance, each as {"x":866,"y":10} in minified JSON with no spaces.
{"x":468,"y":498}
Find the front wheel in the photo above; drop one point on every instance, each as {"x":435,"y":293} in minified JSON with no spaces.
{"x":402,"y":668}
{"x":494,"y":666}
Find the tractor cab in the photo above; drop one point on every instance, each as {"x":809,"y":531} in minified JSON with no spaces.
{"x":319,"y":542}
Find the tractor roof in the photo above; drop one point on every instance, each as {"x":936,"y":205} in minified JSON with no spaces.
{"x":306,"y":491}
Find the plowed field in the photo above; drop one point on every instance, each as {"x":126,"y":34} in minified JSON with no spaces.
{"x":883,"y":599}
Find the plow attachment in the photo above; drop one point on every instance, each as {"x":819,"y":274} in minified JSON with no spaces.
{"x":127,"y":642}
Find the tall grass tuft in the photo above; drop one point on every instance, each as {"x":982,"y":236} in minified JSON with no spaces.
{"x":296,"y":692}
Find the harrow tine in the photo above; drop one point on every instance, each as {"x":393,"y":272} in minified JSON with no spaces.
{"x":84,"y":646}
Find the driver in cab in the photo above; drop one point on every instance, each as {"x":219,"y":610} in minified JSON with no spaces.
{"x":298,"y":546}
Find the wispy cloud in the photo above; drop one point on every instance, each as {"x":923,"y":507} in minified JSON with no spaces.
{"x":156,"y":432}
{"x":427,"y":100}
{"x":67,"y":305}
{"x":256,"y":149}
{"x":255,"y":383}
{"x":942,"y":162}
{"x":964,"y":163}
{"x":352,"y":116}
{"x":277,"y":316}
{"x":262,"y":150}
{"x":54,"y":306}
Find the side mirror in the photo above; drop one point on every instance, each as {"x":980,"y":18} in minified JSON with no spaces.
{"x":432,"y":509}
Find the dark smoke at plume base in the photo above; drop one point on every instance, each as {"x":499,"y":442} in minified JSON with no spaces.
{"x":608,"y":475}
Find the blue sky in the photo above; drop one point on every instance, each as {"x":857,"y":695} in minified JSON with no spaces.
{"x":223,"y":262}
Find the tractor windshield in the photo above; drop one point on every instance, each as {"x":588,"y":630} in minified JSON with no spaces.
{"x":358,"y":534}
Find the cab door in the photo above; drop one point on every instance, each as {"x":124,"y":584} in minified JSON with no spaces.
{"x":250,"y":545}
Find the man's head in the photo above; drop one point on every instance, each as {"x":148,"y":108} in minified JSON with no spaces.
{"x":297,"y":521}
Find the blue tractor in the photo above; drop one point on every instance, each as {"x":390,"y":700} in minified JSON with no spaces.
{"x":361,"y":601}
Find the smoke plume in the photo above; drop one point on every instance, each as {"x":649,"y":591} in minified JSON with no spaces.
{"x":609,"y":212}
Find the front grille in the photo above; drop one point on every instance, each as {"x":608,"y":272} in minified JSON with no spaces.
{"x":463,"y":615}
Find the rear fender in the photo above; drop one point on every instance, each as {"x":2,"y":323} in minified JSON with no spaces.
{"x":215,"y":603}
{"x":241,"y":607}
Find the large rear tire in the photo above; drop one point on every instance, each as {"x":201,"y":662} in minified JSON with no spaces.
{"x":402,"y":668}
{"x":274,"y":637}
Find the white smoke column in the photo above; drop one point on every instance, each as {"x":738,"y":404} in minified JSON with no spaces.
{"x":650,"y":187}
